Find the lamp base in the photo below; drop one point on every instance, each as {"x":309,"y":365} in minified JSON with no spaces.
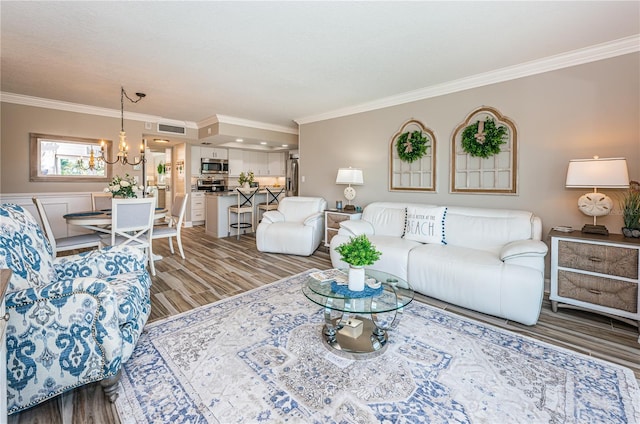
{"x":595,"y":229}
{"x":349,"y":208}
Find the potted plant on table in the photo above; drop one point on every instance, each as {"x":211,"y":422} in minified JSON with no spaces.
{"x":630,"y":205}
{"x":123,"y":187}
{"x":245,"y":180}
{"x":358,"y":252}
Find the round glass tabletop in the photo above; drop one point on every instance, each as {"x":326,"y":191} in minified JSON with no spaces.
{"x":394,"y":294}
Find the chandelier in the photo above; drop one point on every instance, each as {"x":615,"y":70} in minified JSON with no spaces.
{"x":123,"y":147}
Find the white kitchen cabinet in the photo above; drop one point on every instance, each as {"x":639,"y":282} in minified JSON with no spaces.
{"x":276,"y":166}
{"x":197,"y":208}
{"x":235,"y":162}
{"x":195,"y":160}
{"x":213,"y":153}
{"x":258,"y":162}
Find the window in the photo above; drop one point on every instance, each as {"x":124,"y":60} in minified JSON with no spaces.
{"x":72,"y":159}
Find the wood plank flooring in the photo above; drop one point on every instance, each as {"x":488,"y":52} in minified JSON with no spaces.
{"x":218,"y":268}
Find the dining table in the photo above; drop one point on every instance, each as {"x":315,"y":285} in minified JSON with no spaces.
{"x":100,"y":220}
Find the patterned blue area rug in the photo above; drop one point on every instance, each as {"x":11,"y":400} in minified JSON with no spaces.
{"x":258,"y":357}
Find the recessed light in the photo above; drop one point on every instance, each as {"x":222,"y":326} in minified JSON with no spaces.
{"x":239,"y":140}
{"x":160,"y":140}
{"x":285,"y":145}
{"x":263,"y":142}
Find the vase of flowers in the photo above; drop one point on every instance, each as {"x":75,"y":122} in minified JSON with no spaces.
{"x":630,"y":205}
{"x":123,"y":187}
{"x":358,"y":252}
{"x":245,"y":180}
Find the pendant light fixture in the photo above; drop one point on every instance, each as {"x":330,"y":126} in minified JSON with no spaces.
{"x":123,"y":147}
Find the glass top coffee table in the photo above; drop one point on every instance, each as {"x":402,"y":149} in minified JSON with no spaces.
{"x":356,"y":327}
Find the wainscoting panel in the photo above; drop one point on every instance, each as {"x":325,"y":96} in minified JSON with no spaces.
{"x":56,"y":205}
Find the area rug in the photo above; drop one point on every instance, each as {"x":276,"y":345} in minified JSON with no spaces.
{"x":258,"y":358}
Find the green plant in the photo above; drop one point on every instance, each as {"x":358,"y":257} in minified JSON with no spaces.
{"x":411,"y":146}
{"x":485,"y":142}
{"x":358,"y":251}
{"x":245,"y":178}
{"x":630,"y":205}
{"x":161,"y":169}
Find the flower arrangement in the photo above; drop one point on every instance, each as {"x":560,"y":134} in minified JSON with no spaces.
{"x":358,"y":251}
{"x":630,"y":205}
{"x":123,"y":186}
{"x":245,"y":178}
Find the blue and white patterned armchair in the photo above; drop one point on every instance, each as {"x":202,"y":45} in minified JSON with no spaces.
{"x":74,"y":319}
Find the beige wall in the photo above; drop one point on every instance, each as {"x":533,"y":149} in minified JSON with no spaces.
{"x":18,"y":121}
{"x":578,"y":112}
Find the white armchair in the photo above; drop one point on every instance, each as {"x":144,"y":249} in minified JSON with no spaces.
{"x":295,"y":228}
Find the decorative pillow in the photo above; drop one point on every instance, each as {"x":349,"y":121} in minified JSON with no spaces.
{"x":426,"y":225}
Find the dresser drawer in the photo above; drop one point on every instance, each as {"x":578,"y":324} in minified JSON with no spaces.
{"x":334,"y":220}
{"x":616,"y":294}
{"x":604,"y":259}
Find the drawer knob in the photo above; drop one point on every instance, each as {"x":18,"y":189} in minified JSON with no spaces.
{"x":595,"y":259}
{"x":595,"y":291}
{"x":6,"y":317}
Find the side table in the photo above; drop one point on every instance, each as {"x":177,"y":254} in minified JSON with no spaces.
{"x":332,"y":220}
{"x":599,"y":273}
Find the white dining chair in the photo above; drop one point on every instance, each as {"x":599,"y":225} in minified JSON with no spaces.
{"x":132,"y":224}
{"x":62,"y":244}
{"x":173,"y":228}
{"x":101,"y":201}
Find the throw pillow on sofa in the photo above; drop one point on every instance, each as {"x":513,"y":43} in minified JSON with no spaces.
{"x":426,"y":225}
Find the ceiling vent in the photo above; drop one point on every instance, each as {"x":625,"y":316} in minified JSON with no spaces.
{"x":171,"y":129}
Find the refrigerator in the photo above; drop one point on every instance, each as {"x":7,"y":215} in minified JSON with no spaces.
{"x":292,"y":175}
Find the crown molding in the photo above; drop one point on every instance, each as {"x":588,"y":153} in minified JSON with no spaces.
{"x":231,"y":120}
{"x":21,"y":99}
{"x":594,"y":53}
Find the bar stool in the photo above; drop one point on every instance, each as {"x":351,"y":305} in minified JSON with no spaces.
{"x":273,"y":198}
{"x":244,"y":205}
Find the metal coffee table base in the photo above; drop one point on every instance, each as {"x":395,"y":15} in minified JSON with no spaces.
{"x":371,"y":343}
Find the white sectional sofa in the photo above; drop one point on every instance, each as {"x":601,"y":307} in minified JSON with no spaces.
{"x":487,"y":260}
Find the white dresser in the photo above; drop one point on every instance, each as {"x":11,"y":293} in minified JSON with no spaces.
{"x":596,"y":272}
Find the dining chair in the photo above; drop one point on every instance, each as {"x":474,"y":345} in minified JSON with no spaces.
{"x":244,"y":205}
{"x":132,"y":224}
{"x":62,"y":244}
{"x":173,"y":228}
{"x":100,"y":201}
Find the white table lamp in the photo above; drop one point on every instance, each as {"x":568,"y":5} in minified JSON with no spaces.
{"x":350,"y":176}
{"x":597,"y":173}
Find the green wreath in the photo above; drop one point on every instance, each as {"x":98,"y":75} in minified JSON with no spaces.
{"x":486,"y":142}
{"x":411,"y":146}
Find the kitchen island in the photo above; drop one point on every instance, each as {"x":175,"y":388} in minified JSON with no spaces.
{"x":217,"y":206}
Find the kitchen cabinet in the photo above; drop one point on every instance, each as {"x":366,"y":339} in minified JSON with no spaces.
{"x":277,"y":164}
{"x":599,"y":273}
{"x":258,"y":162}
{"x":195,"y":161}
{"x":235,"y":162}
{"x":213,"y":153}
{"x":332,"y":220}
{"x":197,"y":208}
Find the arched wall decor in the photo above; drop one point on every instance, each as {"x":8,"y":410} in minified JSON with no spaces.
{"x":416,"y":175}
{"x":484,"y":170}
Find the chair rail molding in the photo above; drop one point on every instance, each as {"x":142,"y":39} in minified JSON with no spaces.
{"x":56,"y":205}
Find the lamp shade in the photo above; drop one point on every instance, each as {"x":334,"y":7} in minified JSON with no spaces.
{"x":598,"y":173}
{"x":350,"y":176}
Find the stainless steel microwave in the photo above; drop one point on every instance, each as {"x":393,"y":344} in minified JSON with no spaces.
{"x":214,"y":166}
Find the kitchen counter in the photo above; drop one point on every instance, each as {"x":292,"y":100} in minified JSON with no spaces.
{"x":217,"y":206}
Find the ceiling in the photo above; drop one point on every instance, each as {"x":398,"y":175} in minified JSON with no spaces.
{"x":281,"y":63}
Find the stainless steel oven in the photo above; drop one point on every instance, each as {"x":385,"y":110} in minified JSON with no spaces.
{"x":214,"y":166}
{"x":211,"y":184}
